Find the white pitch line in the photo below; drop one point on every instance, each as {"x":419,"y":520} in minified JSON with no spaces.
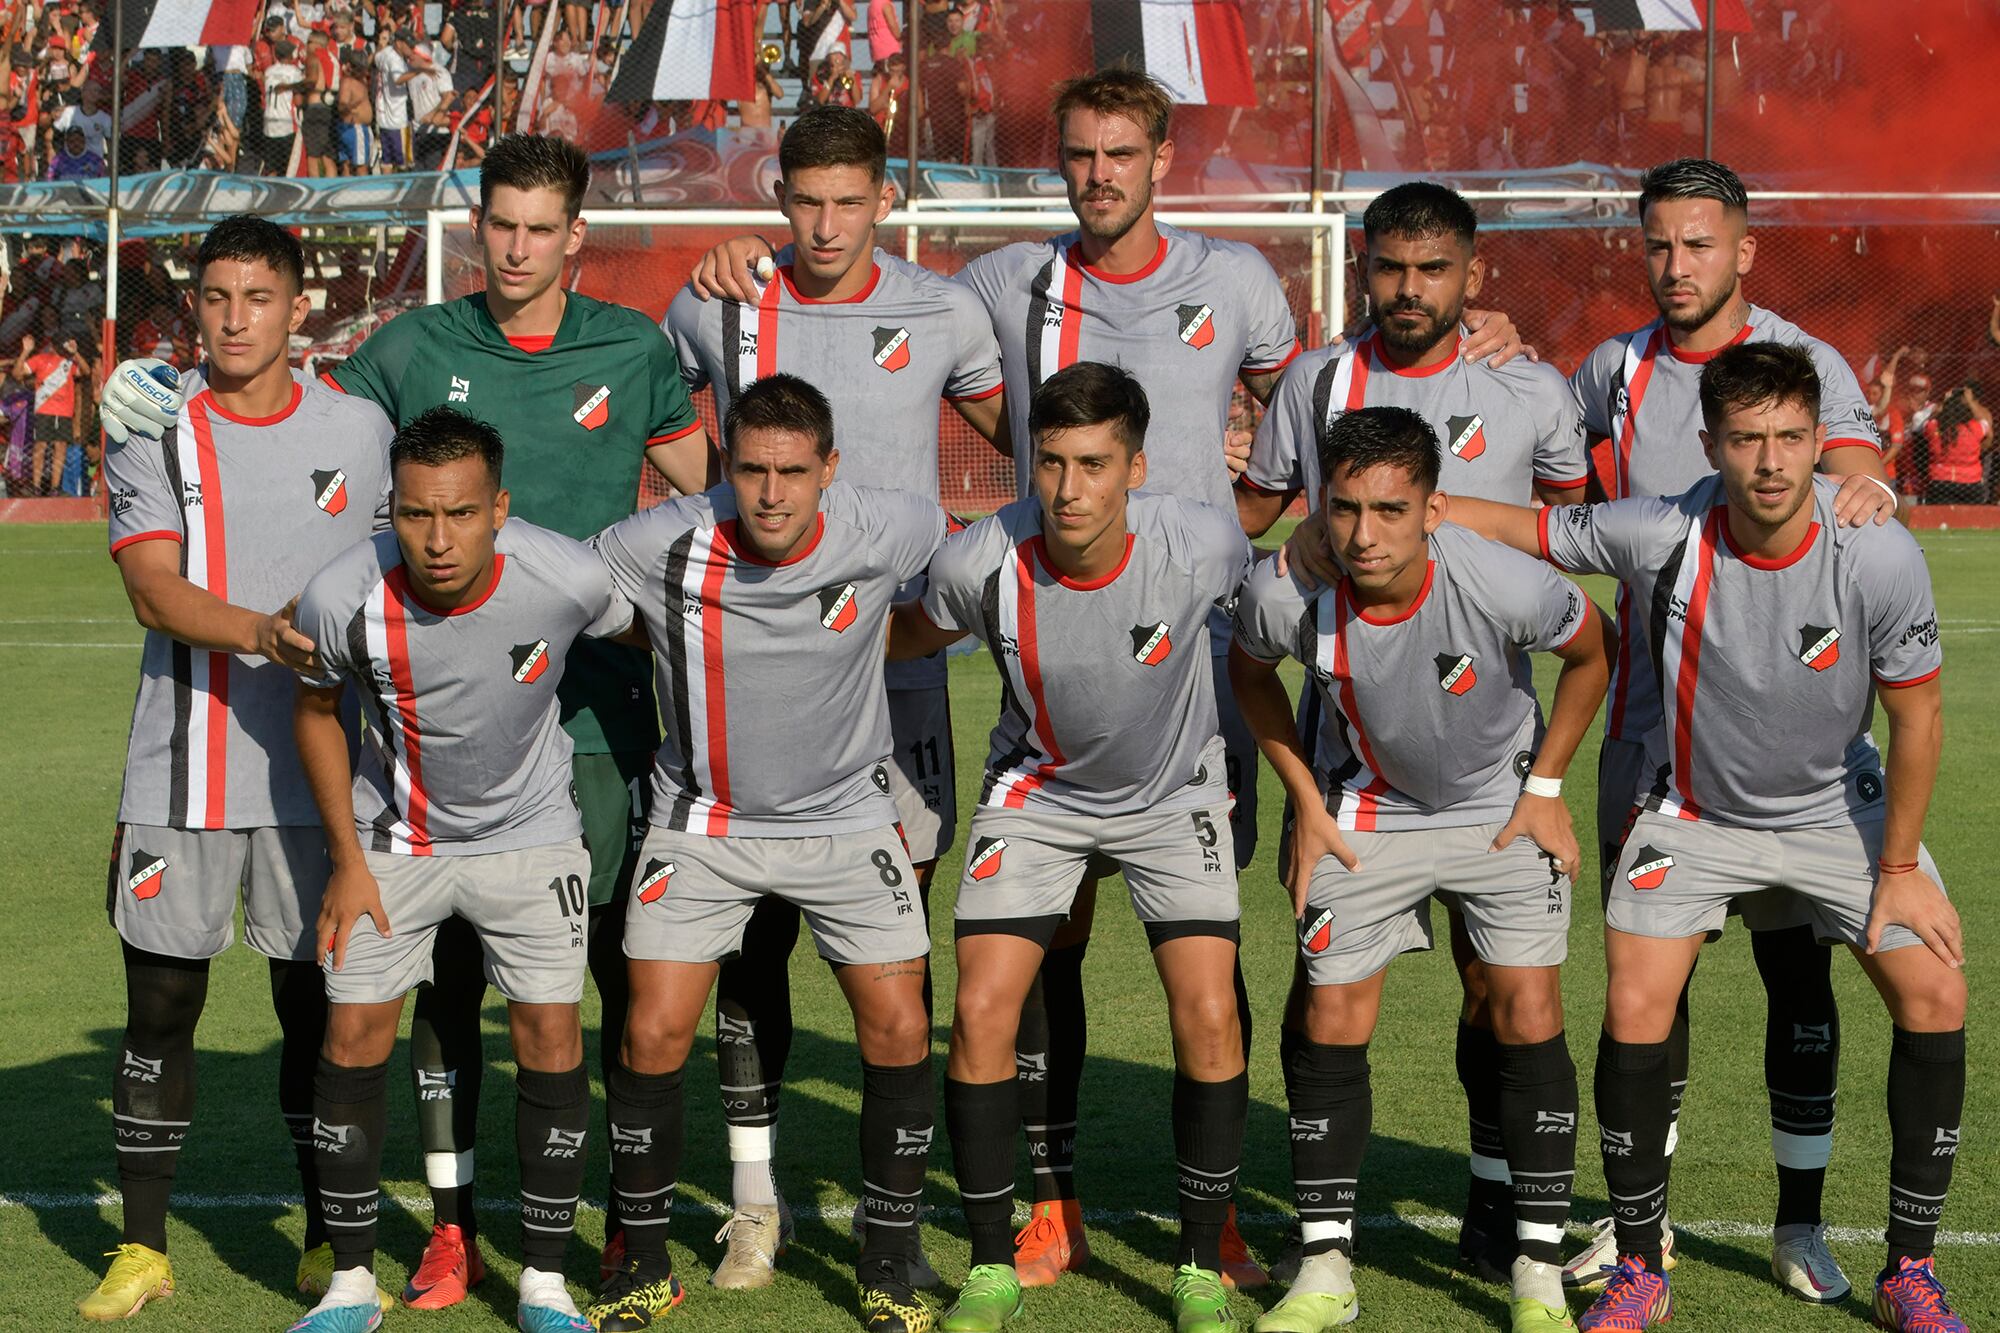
{"x":841,"y":1210}
{"x":126,"y":620}
{"x":51,"y":643}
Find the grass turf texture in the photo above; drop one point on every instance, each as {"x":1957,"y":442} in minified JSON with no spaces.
{"x":68,"y":651}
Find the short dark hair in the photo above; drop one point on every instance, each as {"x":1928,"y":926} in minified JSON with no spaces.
{"x":1693,"y":178}
{"x":536,"y":162}
{"x":1752,"y":374}
{"x":441,"y":435}
{"x":246,"y":236}
{"x":1420,"y":210}
{"x":1139,"y":98}
{"x":781,"y":402}
{"x":834,"y":136}
{"x":1091,"y":393}
{"x":1370,"y":437}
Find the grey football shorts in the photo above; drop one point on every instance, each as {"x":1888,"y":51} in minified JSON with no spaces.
{"x":693,"y":894}
{"x":1514,"y":902}
{"x":1022,"y":868}
{"x":173,"y":891}
{"x":1677,"y":878}
{"x":529,"y":906}
{"x":923,"y":772}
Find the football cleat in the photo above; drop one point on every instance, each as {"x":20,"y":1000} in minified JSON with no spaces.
{"x":1322,"y":1297}
{"x":1593,"y":1265}
{"x":1635,"y":1297}
{"x":1201,"y":1305}
{"x":635,"y":1297}
{"x":1535,"y":1303}
{"x":756,"y":1234}
{"x":1051,"y":1244}
{"x":989,"y":1297}
{"x":1805,"y":1267}
{"x":449,"y":1268}
{"x":922,"y":1276}
{"x":138,"y":1274}
{"x":1240,"y":1269}
{"x":1911,"y":1300}
{"x":890,"y":1303}
{"x":343,"y":1318}
{"x":545,"y":1305}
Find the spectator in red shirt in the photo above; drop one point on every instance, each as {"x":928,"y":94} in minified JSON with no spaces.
{"x":1960,"y":435}
{"x":55,"y":371}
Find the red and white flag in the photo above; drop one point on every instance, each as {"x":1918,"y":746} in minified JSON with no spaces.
{"x":1668,"y":15}
{"x":691,"y":50}
{"x":168,"y":23}
{"x":1195,"y":48}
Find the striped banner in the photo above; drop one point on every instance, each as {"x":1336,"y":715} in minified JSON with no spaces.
{"x":172,"y":23}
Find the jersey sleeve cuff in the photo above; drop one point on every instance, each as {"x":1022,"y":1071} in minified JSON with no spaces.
{"x":1581,"y":623}
{"x":1851,"y":443}
{"x":975,"y":397}
{"x":156,"y":535}
{"x":326,"y":378}
{"x":1562,"y":483}
{"x":1244,"y":482}
{"x":668,"y":436}
{"x":1930,"y":675}
{"x":1279,"y":364}
{"x":936,"y":620}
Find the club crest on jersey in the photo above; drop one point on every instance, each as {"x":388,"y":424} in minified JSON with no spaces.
{"x":1650,"y":870}
{"x":1455,"y":673}
{"x":330,"y":490}
{"x":892,"y":349}
{"x":985,"y":862}
{"x":593,"y":405}
{"x":530,"y":660}
{"x":145,"y":874}
{"x":836,"y":607}
{"x":1819,"y":647}
{"x":652,"y":885}
{"x":1151,"y":643}
{"x":1197,"y":324}
{"x":1315,"y":934}
{"x":1467,"y":436}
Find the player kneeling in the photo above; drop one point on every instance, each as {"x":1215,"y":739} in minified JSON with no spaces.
{"x":454,"y":628}
{"x":1433,"y":777}
{"x":1772,"y":627}
{"x":1094,"y":603}
{"x":766,"y":599}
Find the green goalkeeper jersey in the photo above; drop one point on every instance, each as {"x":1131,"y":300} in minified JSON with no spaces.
{"x":577,"y":417}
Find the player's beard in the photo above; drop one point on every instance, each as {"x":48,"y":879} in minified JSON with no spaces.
{"x":1115,"y":225}
{"x":1412,"y":344}
{"x":1706,"y":311}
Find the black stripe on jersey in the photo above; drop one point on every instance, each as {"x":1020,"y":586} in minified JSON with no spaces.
{"x":989,"y":616}
{"x":378,"y":722}
{"x":1323,"y":393}
{"x":182,"y":655}
{"x":732,"y":336}
{"x":1038,"y":314}
{"x":680,"y":726}
{"x":1661,"y":612}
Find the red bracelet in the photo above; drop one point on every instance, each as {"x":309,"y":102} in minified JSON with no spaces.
{"x":1896,"y":868}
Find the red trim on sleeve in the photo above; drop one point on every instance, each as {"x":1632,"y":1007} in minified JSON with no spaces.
{"x":1906,"y":684}
{"x":1243,"y":482}
{"x":1542,"y":533}
{"x":1581,"y":620}
{"x":158,"y":534}
{"x":672,"y":435}
{"x":1283,"y":361}
{"x":976,"y":397}
{"x":1847,"y":442}
{"x":326,"y":378}
{"x":1562,"y":484}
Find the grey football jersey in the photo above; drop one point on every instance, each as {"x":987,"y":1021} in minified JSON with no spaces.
{"x":1639,"y":393}
{"x":257,"y":507}
{"x":1768,"y":666}
{"x":883,"y":359}
{"x":466,"y":753}
{"x":770,"y":676}
{"x":1107,"y":692}
{"x":1503,"y":430}
{"x":1430,"y":718}
{"x":1185,"y":326}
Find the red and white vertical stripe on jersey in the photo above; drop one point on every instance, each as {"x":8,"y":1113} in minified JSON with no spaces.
{"x":1024,"y":678}
{"x":385,"y":621}
{"x":1642,"y":349}
{"x":1680,"y":658}
{"x":757,"y":355}
{"x":1057,"y":298}
{"x":1349,"y":390}
{"x":1360,"y":795}
{"x":207,"y":557}
{"x":708,"y":706}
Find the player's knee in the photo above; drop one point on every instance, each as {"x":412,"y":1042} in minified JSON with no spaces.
{"x":1528,"y":1016}
{"x":1931,"y":1001}
{"x":359,"y":1035}
{"x":1637,"y":1014}
{"x":656,"y":1042}
{"x":547,"y":1037}
{"x":1338,"y":1016}
{"x":900,"y":1036}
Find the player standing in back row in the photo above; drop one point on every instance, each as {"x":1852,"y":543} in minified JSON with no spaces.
{"x":258,"y":479}
{"x":588,"y":393}
{"x":885,"y":341}
{"x":1639,"y":392}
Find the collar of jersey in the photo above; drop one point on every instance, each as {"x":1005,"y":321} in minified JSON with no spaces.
{"x":1145,"y":271}
{"x":399,"y":579}
{"x":1041,"y":546}
{"x":298,"y":395}
{"x":489,"y":327}
{"x":1703,"y":358}
{"x":1786,"y":561}
{"x":732,"y":541}
{"x":1381,"y":358}
{"x":1361,"y":612}
{"x":874,"y":277}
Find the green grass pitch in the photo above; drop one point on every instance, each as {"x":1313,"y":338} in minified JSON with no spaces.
{"x":68,"y":652}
